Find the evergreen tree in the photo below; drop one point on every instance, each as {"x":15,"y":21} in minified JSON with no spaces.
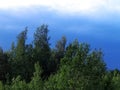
{"x":42,"y":50}
{"x":60,"y":49}
{"x":80,"y":69}
{"x":36,"y":82}
{"x":4,"y":66}
{"x":18,"y":59}
{"x":37,"y":66}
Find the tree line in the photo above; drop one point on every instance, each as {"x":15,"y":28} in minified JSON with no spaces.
{"x":37,"y":66}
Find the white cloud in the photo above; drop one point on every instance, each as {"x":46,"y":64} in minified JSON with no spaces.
{"x":71,"y":6}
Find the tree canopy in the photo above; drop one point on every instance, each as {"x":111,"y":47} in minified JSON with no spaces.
{"x":38,"y":66}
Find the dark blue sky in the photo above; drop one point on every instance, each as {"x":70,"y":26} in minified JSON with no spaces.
{"x":100,"y":29}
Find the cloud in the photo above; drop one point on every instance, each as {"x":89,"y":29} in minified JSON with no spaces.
{"x":65,"y":6}
{"x":94,"y":21}
{"x":34,"y":16}
{"x":99,"y":25}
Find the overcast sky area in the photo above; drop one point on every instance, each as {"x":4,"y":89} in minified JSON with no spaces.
{"x":96,"y":22}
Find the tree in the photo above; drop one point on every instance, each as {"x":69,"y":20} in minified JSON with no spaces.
{"x":18,"y":84}
{"x":36,"y":82}
{"x":4,"y":66}
{"x":42,"y":50}
{"x":60,"y":45}
{"x":57,"y":54}
{"x":37,"y":66}
{"x":80,"y":69}
{"x":18,"y":59}
{"x":21,"y":45}
{"x":60,"y":49}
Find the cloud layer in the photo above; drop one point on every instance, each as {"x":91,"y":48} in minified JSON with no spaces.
{"x":99,"y":25}
{"x":93,"y":21}
{"x":65,"y":6}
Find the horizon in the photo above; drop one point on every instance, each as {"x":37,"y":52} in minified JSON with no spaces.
{"x":93,"y":21}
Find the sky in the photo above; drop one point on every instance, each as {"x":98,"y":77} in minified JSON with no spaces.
{"x":93,"y":21}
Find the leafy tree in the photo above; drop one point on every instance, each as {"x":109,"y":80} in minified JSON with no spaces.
{"x":57,"y":54}
{"x":81,"y":69}
{"x":37,"y":66}
{"x":1,"y":86}
{"x":36,"y":82}
{"x":4,"y":67}
{"x":60,"y":49}
{"x":42,"y":50}
{"x":19,"y":62}
{"x":18,"y":84}
{"x":116,"y":82}
{"x":61,"y":45}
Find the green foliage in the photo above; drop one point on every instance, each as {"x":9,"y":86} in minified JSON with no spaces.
{"x":60,"y":45}
{"x":4,"y":66}
{"x":57,"y":54}
{"x":37,"y":66}
{"x":18,"y":84}
{"x":19,"y":57}
{"x":81,"y":69}
{"x":36,"y":82}
{"x":42,"y":50}
{"x":1,"y":86}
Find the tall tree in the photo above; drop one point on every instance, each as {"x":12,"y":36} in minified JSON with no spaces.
{"x":60,"y":48}
{"x":60,"y":45}
{"x":18,"y":56}
{"x":80,"y":69}
{"x":36,"y":82}
{"x":4,"y":66}
{"x":42,"y":48}
{"x":21,"y":44}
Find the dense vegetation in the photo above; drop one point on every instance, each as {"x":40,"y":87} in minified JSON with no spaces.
{"x":37,"y":66}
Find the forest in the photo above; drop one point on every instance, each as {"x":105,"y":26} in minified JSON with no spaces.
{"x":38,"y":66}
